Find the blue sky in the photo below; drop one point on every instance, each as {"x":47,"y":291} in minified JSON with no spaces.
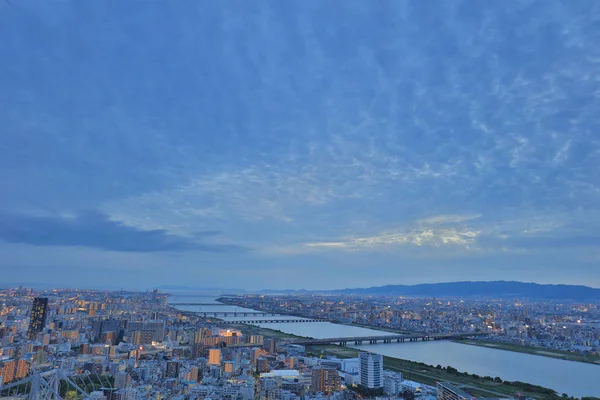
{"x":299,"y":144}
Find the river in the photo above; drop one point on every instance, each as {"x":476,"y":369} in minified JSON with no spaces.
{"x":574,"y":378}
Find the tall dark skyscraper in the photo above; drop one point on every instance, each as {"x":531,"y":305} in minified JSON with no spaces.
{"x":172,"y":369}
{"x":38,"y":316}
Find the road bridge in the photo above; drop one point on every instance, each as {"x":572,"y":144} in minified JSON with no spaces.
{"x":344,"y":341}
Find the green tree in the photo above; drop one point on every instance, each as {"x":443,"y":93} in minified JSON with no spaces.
{"x":451,"y":370}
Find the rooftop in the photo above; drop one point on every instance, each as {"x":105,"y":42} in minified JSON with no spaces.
{"x":280,"y":373}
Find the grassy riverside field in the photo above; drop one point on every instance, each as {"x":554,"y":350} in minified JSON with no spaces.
{"x":377,"y":328}
{"x":427,"y":374}
{"x":563,"y":355}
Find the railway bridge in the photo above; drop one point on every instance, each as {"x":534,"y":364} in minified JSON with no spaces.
{"x":278,"y":321}
{"x":357,"y":340}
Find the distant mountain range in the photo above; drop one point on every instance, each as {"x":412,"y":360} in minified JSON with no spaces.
{"x":497,"y":289}
{"x":491,"y":289}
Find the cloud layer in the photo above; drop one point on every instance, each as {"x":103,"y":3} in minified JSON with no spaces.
{"x":95,"y":230}
{"x":313,"y":135}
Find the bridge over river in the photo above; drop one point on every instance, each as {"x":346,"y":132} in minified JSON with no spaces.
{"x":236,"y":314}
{"x":216,"y":314}
{"x":343,"y":341}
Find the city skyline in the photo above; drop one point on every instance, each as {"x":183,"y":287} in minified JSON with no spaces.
{"x":148,"y":344}
{"x":293,"y":145}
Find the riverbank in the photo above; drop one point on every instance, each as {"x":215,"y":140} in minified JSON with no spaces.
{"x":430,"y":375}
{"x":419,"y":372}
{"x":563,"y":355}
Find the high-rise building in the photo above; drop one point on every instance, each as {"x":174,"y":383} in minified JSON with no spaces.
{"x":108,"y":325}
{"x":38,"y":317}
{"x":371,"y":370}
{"x":215,"y":371}
{"x":172,"y":369}
{"x":71,"y":334}
{"x":141,"y":337}
{"x":122,"y":380}
{"x":392,"y":383}
{"x":194,"y":373}
{"x":157,"y":327}
{"x":125,"y":394}
{"x":108,"y":337}
{"x":446,"y":391}
{"x":228,"y":367}
{"x":45,"y":339}
{"x":326,"y":380}
{"x":41,"y":357}
{"x":262,"y":365}
{"x":199,"y":350}
{"x":293,"y":362}
{"x":198,"y":336}
{"x":255,"y":353}
{"x":219,"y":341}
{"x":22,"y":369}
{"x":254,"y":339}
{"x":8,"y":371}
{"x":269,"y":345}
{"x":214,"y":357}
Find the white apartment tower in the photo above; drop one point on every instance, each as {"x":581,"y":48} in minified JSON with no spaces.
{"x":371,"y":370}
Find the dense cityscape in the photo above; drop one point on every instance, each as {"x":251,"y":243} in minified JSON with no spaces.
{"x":131,"y":345}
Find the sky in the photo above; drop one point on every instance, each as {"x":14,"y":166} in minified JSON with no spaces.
{"x":300,"y":143}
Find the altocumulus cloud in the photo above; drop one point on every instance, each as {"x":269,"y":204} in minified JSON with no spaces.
{"x":96,"y":230}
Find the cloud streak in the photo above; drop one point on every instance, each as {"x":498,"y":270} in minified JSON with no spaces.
{"x":448,"y":219}
{"x":428,"y":237}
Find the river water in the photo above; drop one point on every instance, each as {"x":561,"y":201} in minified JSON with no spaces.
{"x":574,"y":378}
